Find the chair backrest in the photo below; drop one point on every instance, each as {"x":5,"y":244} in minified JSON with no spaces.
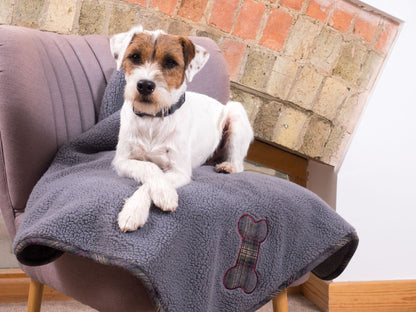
{"x":51,"y":87}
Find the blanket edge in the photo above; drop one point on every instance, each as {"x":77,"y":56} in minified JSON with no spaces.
{"x":57,"y":248}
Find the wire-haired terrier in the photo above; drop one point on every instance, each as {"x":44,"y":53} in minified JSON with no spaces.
{"x":166,"y":131}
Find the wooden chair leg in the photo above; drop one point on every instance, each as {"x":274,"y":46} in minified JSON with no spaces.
{"x":35,"y":296}
{"x":280,"y":302}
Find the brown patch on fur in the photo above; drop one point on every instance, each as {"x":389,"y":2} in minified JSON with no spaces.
{"x":169,"y":48}
{"x":142,"y":45}
{"x":165,"y":50}
{"x":220,"y":153}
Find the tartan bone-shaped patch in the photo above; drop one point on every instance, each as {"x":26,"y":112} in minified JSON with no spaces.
{"x":243,"y":274}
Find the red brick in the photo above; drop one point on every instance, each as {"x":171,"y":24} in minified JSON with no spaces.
{"x":366,"y":25}
{"x":165,"y":6}
{"x":223,"y":14}
{"x":292,"y":4}
{"x":342,"y":16}
{"x":386,"y":37}
{"x":276,"y":30}
{"x":233,"y":52}
{"x":139,"y":2}
{"x":249,"y":19}
{"x":192,"y":9}
{"x":319,"y":9}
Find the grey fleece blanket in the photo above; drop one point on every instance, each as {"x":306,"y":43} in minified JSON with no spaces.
{"x":233,"y":243}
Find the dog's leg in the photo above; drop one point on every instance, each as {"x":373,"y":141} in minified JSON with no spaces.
{"x":140,"y":171}
{"x":163,"y":194}
{"x":135,"y":210}
{"x":177,"y":178}
{"x":238,"y":138}
{"x":180,"y":174}
{"x":155,"y":187}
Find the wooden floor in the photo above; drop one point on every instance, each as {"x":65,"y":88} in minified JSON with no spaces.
{"x":296,"y":303}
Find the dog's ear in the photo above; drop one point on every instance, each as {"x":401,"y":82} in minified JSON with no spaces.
{"x":120,"y":42}
{"x":195,"y":57}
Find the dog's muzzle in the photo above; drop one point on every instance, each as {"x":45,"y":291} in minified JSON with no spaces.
{"x":146,"y":87}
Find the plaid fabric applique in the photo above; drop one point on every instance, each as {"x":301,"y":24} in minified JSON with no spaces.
{"x":243,"y":274}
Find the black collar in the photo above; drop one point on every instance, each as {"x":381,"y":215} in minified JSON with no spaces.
{"x":162,"y":112}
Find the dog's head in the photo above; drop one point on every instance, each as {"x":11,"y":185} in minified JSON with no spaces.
{"x":156,"y":65}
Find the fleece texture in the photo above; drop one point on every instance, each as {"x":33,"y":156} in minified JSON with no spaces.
{"x":233,"y":243}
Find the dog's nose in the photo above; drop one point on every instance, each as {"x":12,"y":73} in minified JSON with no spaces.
{"x":146,"y":87}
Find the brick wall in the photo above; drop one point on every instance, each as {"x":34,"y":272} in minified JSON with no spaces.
{"x":302,"y":68}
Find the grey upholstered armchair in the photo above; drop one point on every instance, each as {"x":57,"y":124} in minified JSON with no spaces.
{"x":51,"y":88}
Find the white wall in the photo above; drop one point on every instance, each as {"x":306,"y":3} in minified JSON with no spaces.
{"x":377,"y":181}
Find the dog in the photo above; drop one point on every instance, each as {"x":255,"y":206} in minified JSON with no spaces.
{"x":166,"y":131}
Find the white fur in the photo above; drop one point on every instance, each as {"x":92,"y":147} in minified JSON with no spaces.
{"x":161,"y":152}
{"x":200,"y":59}
{"x":120,"y":42}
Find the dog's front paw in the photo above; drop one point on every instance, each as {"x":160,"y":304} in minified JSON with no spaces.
{"x":132,"y":216}
{"x":135,"y":212}
{"x":164,"y":196}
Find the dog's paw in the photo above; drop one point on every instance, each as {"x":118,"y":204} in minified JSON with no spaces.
{"x":164,"y":196}
{"x":134,"y":213}
{"x":225,"y":167}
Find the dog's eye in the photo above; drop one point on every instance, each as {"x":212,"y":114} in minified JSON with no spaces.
{"x":135,"y":58}
{"x":169,"y":63}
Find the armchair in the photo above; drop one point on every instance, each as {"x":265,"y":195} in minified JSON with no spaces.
{"x":51,"y":88}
